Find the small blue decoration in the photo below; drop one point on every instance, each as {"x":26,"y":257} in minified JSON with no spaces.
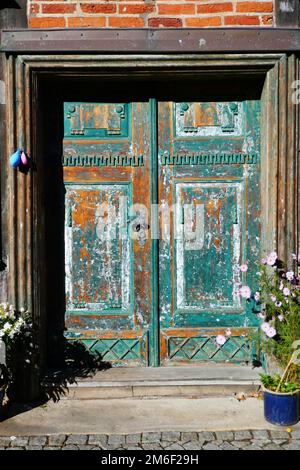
{"x":15,"y":159}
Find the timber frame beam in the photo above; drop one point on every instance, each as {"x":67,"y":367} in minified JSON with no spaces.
{"x":279,"y":152}
{"x":219,"y":40}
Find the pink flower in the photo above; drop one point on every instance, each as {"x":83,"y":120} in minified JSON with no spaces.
{"x":271,"y":332}
{"x":278,"y":303}
{"x":280,"y":317}
{"x":273,"y":298}
{"x":262,"y":315}
{"x":290,"y":275}
{"x":256,"y":296}
{"x":265,"y":327}
{"x":268,"y":330}
{"x":264,"y":261}
{"x":228,"y":332}
{"x":245,"y":292}
{"x":243,"y":268}
{"x":271,"y":259}
{"x":286,"y":291}
{"x":220,"y":340}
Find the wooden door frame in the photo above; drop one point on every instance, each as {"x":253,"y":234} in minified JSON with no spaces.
{"x":25,"y":219}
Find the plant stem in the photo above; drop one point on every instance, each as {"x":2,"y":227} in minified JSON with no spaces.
{"x":284,"y":374}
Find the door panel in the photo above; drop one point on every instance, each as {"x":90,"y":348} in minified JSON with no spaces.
{"x":108,"y":285}
{"x":209,"y":181}
{"x":208,"y":158}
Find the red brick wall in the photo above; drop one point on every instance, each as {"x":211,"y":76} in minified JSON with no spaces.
{"x":149,"y":13}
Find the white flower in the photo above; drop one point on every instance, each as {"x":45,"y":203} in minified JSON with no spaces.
{"x":271,"y":259}
{"x":6,"y":327}
{"x":268,"y":329}
{"x":262,"y":315}
{"x":256,"y":296}
{"x":290,"y":275}
{"x":281,"y":286}
{"x":280,"y":317}
{"x":273,"y":298}
{"x":245,"y":292}
{"x":220,"y":340}
{"x":271,"y":332}
{"x":243,"y":268}
{"x":286,"y":291}
{"x":265,"y":326}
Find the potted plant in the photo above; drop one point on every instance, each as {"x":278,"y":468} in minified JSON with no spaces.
{"x":13,"y":325}
{"x":277,"y":304}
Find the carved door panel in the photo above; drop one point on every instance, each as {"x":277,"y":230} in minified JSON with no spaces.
{"x":106,"y":158}
{"x":209,"y":161}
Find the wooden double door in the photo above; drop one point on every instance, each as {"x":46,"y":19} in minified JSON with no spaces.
{"x":162,"y":207}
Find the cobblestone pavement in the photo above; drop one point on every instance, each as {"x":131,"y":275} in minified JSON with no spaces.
{"x":170,"y":441}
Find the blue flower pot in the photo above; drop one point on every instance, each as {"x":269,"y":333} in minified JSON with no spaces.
{"x":281,"y":408}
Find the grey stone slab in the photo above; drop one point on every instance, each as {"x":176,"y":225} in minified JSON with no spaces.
{"x":252,"y":447}
{"x":260,"y":442}
{"x":70,"y":447}
{"x":227,"y":446}
{"x":20,"y":441}
{"x":224,"y":435}
{"x":97,"y":439}
{"x":80,"y":439}
{"x":51,"y":448}
{"x":151,"y":437}
{"x":134,"y":447}
{"x":5,"y":441}
{"x":112,"y":447}
{"x":272,"y":446}
{"x":29,"y":447}
{"x":15,"y":448}
{"x":210,"y":446}
{"x":37,"y":440}
{"x":154,"y":446}
{"x":242,"y":435}
{"x":279,"y":442}
{"x":133,"y":438}
{"x":240,"y":444}
{"x":296,"y":434}
{"x":87,"y":447}
{"x":116,"y":439}
{"x":171,"y":436}
{"x":174,"y":446}
{"x":188,"y":436}
{"x":294,"y":445}
{"x":192,"y":445}
{"x":277,"y":434}
{"x":56,"y":440}
{"x":206,"y":435}
{"x":260,"y":434}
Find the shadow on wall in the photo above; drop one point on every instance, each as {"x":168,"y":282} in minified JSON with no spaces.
{"x":78,"y":363}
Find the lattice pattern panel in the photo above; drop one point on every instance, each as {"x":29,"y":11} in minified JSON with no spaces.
{"x":236,"y":349}
{"x":118,"y":350}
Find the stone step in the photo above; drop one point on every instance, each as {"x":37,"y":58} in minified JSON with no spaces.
{"x":196,"y":381}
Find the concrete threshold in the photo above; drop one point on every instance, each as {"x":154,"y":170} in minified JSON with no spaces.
{"x":196,"y":381}
{"x":127,"y":416}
